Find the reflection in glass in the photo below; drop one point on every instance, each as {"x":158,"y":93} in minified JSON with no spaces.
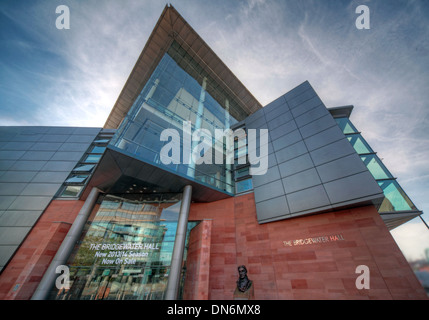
{"x":376,"y":167}
{"x":395,"y":197}
{"x":359,"y":144}
{"x":71,"y":191}
{"x":125,"y":250}
{"x":171,"y":97}
{"x":346,"y":125}
{"x":244,"y":185}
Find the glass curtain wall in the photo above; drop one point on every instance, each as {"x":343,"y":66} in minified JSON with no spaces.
{"x":125,"y":250}
{"x":170,"y":98}
{"x":395,"y":197}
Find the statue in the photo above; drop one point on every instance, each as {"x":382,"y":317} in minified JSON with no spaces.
{"x":244,"y":289}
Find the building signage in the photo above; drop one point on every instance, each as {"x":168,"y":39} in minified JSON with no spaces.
{"x":125,"y":253}
{"x":315,"y":240}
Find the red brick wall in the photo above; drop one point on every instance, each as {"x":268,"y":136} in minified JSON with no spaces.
{"x":198,"y":263}
{"x":20,"y":278}
{"x":312,"y":271}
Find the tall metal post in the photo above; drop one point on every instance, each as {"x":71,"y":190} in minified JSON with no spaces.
{"x":179,"y":246}
{"x":63,"y":253}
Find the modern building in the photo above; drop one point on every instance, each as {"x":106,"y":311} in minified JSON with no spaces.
{"x":155,"y":205}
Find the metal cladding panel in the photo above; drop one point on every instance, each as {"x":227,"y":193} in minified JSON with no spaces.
{"x":34,"y":162}
{"x":313,"y":168}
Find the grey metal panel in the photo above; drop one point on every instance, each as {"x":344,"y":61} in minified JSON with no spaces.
{"x":6,"y":164}
{"x":311,"y":115}
{"x":46,"y":146}
{"x":284,"y":118}
{"x":353,"y":187}
{"x":11,"y":155}
{"x":25,"y":203}
{"x":5,"y":253}
{"x":17,"y":176}
{"x":297,"y":90}
{"x":323,"y":138}
{"x":27,"y":165}
{"x":13,"y":235}
{"x":268,"y":191}
{"x":317,"y":126}
{"x":60,"y":130}
{"x":271,"y":175}
{"x":73,"y":147}
{"x":50,"y":177}
{"x":341,"y":168}
{"x":54,"y":138}
{"x":81,"y":138}
{"x":65,"y":155}
{"x":276,"y":113}
{"x":18,"y":145}
{"x":287,"y":140}
{"x":90,"y":131}
{"x":257,"y":123}
{"x":6,"y":201}
{"x":41,"y":189}
{"x":59,"y":166}
{"x":254,"y":116}
{"x":313,"y":157}
{"x":19,"y":218}
{"x":307,"y":106}
{"x":295,"y":165}
{"x":332,"y":151}
{"x":11,"y":189}
{"x":279,"y":102}
{"x":291,"y":152}
{"x":282,"y":130}
{"x":300,"y":99}
{"x":302,"y":180}
{"x":308,"y":199}
{"x":37,"y":155}
{"x":273,"y":208}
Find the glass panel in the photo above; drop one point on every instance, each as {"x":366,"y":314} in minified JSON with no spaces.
{"x":71,"y":191}
{"x":125,"y":250}
{"x":242,"y":172}
{"x":244,"y":185}
{"x":374,"y":165}
{"x":346,"y":125}
{"x":396,"y":199}
{"x":98,"y":149}
{"x":93,"y":158}
{"x":172,"y":97}
{"x":84,"y":168}
{"x":359,"y":144}
{"x":77,"y":179}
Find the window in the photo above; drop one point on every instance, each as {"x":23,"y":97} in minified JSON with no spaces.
{"x":374,"y":165}
{"x":396,"y":199}
{"x":93,"y":158}
{"x":71,"y":191}
{"x":77,"y":179}
{"x":359,"y":144}
{"x":243,"y":185}
{"x":346,"y":125}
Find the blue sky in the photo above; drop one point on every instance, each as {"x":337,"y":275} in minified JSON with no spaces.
{"x":73,"y":77}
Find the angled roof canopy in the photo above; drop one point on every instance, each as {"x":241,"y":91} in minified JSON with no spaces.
{"x":172,"y":27}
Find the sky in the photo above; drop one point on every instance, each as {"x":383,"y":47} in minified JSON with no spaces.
{"x":72,"y":77}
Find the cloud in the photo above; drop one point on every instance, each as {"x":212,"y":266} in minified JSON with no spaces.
{"x":412,"y":238}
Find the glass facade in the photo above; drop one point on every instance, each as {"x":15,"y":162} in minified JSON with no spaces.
{"x":125,"y":250}
{"x":177,"y":92}
{"x":395,"y":198}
